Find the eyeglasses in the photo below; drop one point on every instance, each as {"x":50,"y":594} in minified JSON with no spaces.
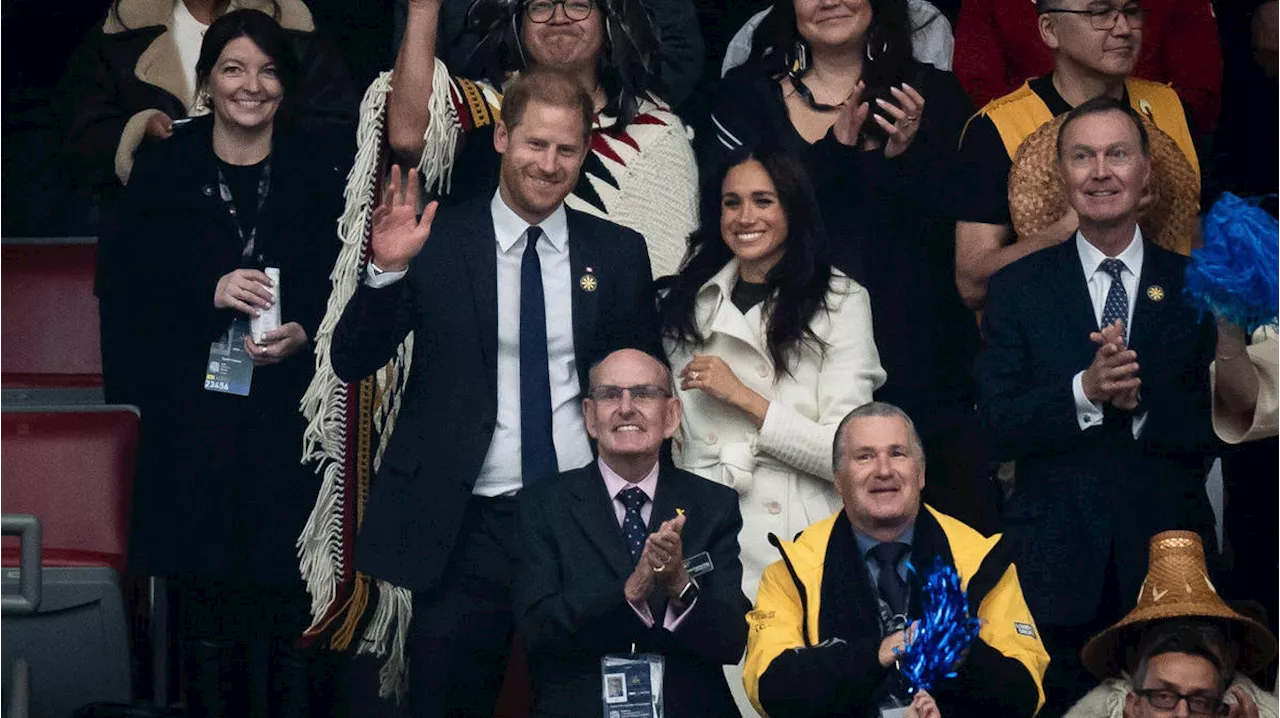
{"x":1105,"y":18}
{"x":543,"y":10}
{"x":1197,"y":705}
{"x":641,"y":394}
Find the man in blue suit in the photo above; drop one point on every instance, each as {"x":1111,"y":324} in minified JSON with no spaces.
{"x":510,"y":302}
{"x":1094,"y":378}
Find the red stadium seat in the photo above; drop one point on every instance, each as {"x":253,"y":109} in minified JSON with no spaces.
{"x":72,"y":468}
{"x":50,"y":315}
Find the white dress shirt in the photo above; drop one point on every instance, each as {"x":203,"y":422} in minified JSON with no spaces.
{"x":1089,"y":413}
{"x":500,"y":474}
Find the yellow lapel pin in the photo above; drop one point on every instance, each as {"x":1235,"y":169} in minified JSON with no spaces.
{"x":1155,"y":293}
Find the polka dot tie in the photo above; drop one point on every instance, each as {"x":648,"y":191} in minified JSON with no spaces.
{"x":1117,"y":304}
{"x":633,"y":528}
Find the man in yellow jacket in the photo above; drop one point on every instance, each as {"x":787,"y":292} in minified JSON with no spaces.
{"x":830,"y":616}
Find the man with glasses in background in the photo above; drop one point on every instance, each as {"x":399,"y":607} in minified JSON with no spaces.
{"x":1095,"y":45}
{"x":631,"y":558}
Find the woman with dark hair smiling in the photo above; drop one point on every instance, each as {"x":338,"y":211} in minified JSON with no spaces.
{"x":772,"y":347}
{"x":835,"y":82}
{"x":224,"y":225}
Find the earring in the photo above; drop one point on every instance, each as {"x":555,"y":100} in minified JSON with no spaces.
{"x":800,"y":61}
{"x":884,"y":47}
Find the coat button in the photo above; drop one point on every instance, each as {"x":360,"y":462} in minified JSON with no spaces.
{"x":773,"y":507}
{"x":208,"y":190}
{"x":762,"y":370}
{"x":712,"y":437}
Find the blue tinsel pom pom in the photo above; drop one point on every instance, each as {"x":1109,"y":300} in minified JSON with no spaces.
{"x":1235,"y":274}
{"x":943,"y":633}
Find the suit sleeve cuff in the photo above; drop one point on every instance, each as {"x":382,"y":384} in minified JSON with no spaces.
{"x":377,"y":279}
{"x":1088,"y":413}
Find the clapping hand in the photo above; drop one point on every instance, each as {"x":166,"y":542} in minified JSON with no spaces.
{"x":398,"y":234}
{"x":1114,"y":372}
{"x":853,"y":113}
{"x":902,"y":129}
{"x":661,"y":560}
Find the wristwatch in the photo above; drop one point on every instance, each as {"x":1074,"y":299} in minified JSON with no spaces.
{"x":689,"y":593}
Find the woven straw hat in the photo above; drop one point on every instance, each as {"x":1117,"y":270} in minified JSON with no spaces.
{"x":1038,"y":198}
{"x":1177,"y":586}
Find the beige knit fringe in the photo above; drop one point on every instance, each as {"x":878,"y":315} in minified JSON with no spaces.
{"x":324,"y":404}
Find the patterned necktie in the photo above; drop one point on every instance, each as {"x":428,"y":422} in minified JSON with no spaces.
{"x":633,"y":528}
{"x":1117,"y":304}
{"x":537,"y":445}
{"x":892,"y":588}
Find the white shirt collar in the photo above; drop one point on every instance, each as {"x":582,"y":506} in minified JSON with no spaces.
{"x":1091,"y":257}
{"x":509,"y":227}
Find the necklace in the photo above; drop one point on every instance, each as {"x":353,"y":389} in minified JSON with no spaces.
{"x":806,"y":94}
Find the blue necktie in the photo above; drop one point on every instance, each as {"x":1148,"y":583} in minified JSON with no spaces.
{"x":633,"y":528}
{"x":1117,"y":304}
{"x":892,"y":588}
{"x":537,"y":446}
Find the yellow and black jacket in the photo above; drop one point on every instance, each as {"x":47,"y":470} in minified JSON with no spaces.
{"x":814,"y":638}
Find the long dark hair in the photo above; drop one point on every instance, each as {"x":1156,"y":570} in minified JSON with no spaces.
{"x":264,"y":32}
{"x":798,"y":283}
{"x":778,"y":49}
{"x":628,"y":64}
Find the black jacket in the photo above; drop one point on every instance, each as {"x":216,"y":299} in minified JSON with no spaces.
{"x":450,"y":405}
{"x":569,"y":603}
{"x":1084,"y":496}
{"x":219,"y":491}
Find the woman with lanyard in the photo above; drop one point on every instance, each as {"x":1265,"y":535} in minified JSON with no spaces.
{"x":232,"y":220}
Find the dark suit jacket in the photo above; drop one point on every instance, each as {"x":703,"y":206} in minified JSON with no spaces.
{"x":569,"y":603}
{"x":450,"y":406}
{"x":1081,"y":495}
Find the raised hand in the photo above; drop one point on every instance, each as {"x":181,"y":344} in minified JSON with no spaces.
{"x":901,"y":130}
{"x":852,"y":114}
{"x":398,"y":234}
{"x":923,"y":706}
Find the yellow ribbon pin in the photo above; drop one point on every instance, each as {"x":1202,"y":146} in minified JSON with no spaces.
{"x":1155,"y":293}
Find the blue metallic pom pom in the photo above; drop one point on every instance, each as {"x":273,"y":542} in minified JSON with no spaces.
{"x":1234,"y":275}
{"x":942,"y":634}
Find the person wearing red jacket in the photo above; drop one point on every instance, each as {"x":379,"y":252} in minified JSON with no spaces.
{"x":997,"y":48}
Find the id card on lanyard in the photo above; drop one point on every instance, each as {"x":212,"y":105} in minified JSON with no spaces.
{"x":631,"y":686}
{"x":229,"y":370}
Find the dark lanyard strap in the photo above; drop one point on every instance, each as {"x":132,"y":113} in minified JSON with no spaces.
{"x":247,"y":240}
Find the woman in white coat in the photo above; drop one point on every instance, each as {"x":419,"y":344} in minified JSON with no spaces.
{"x":772,"y":347}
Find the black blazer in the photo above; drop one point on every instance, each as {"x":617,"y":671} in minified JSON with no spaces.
{"x":450,"y":406}
{"x":568,"y":593}
{"x":1081,"y":495}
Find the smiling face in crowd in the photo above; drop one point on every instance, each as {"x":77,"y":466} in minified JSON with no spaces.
{"x":752,"y":220}
{"x":1104,"y":168}
{"x":880,"y":474}
{"x":1176,"y":674}
{"x":833,"y":23}
{"x":541,"y":158}
{"x":244,"y":87}
{"x":632,"y":423}
{"x":1100,"y":53}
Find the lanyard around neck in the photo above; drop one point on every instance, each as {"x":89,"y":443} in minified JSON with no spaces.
{"x":247,"y":239}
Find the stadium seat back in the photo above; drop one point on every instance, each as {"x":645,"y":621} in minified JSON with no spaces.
{"x":49,"y":314}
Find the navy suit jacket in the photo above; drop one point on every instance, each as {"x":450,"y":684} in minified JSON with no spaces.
{"x":1083,"y":496}
{"x":449,"y":299}
{"x":570,"y":606}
